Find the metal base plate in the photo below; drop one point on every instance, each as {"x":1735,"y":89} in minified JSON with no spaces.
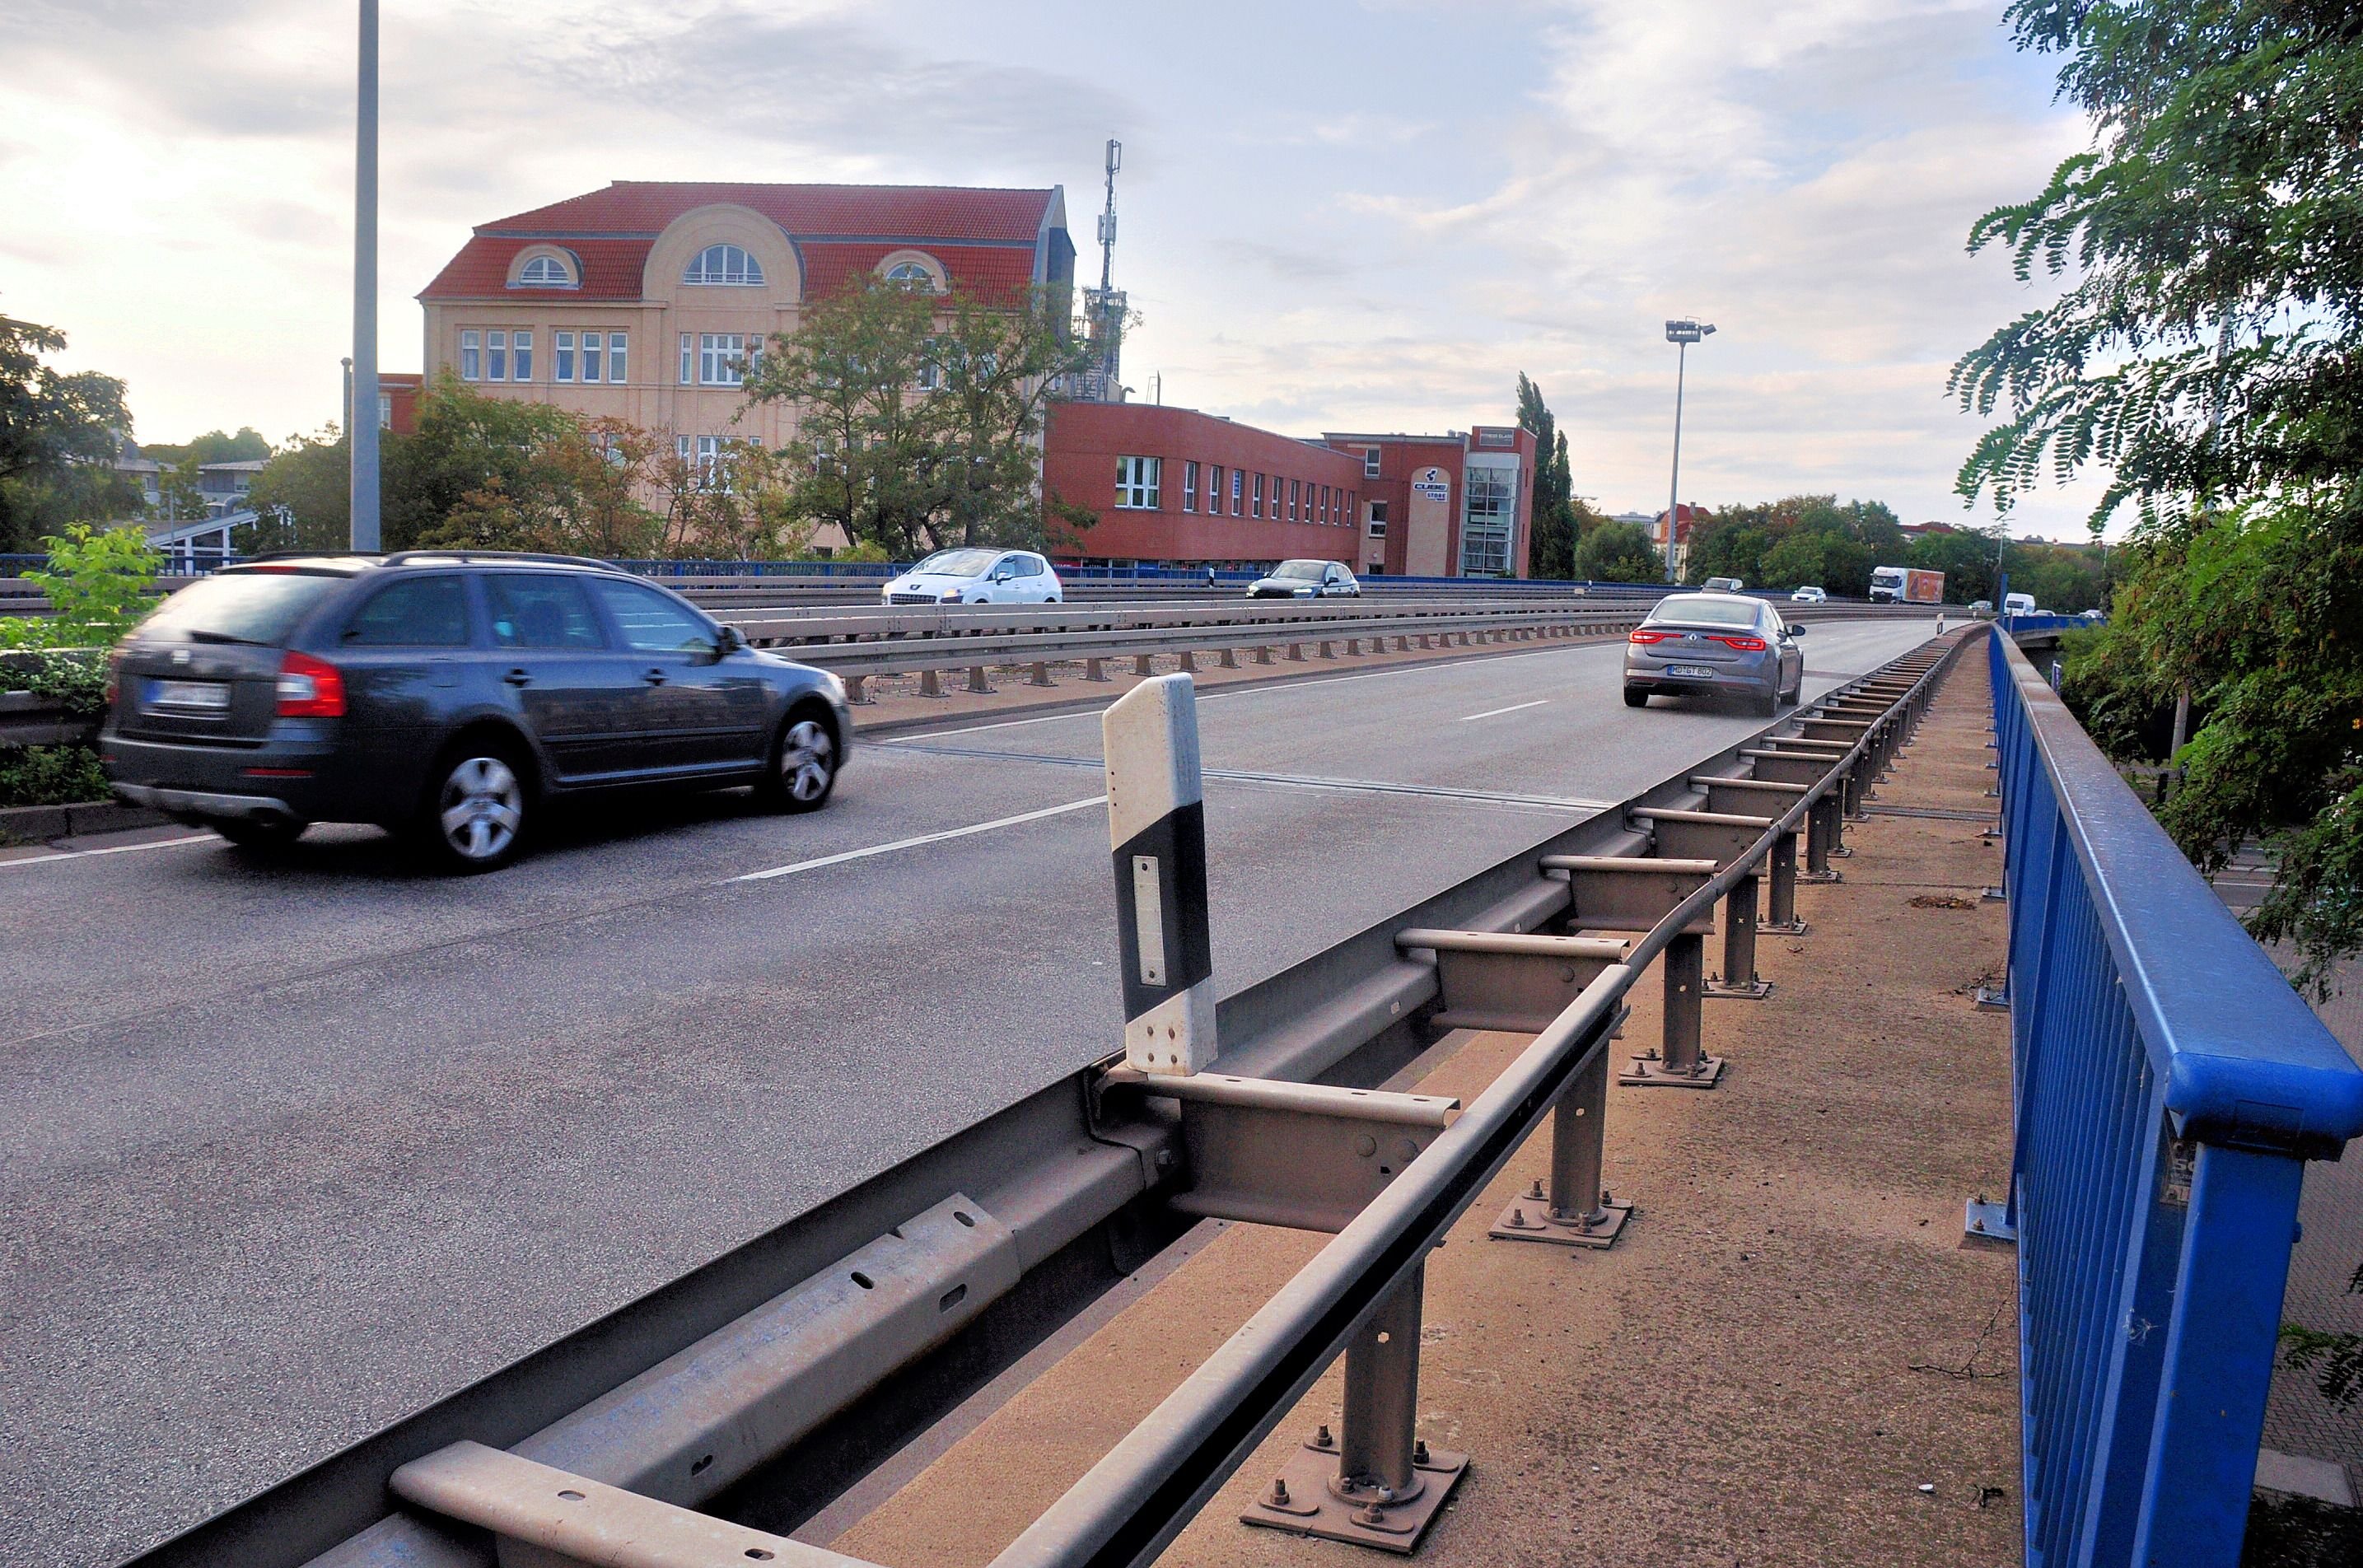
{"x":1991,"y":998}
{"x":1649,"y":1072}
{"x":1755,"y":991}
{"x":1313,"y":1508}
{"x":1529,"y":1220}
{"x":1831,"y":874}
{"x":1988,"y":1221}
{"x":1785,"y":928}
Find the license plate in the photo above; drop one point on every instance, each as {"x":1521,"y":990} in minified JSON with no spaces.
{"x":1690,"y":672}
{"x":191,"y":696}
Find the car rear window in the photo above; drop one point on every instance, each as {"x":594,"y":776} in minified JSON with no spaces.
{"x":427,"y":611}
{"x":241,"y":607}
{"x":1700,"y":610}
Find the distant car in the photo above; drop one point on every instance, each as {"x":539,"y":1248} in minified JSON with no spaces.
{"x":974,"y":576}
{"x":1707,"y":644}
{"x":449,"y":696}
{"x":2019,"y":604}
{"x":2094,"y":614}
{"x":1721,"y":585}
{"x":1808,"y":594}
{"x":1306,"y":579}
{"x":1983,"y":609}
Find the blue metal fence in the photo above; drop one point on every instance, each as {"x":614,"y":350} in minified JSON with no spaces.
{"x":2168,"y":1089}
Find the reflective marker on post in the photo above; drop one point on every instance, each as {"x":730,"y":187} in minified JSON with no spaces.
{"x":1157,"y":830}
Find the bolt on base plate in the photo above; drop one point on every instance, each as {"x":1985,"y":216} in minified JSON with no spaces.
{"x":1755,"y":991}
{"x":1308,"y":1497}
{"x":1991,"y":998}
{"x":1529,"y":1219}
{"x":1649,"y":1072}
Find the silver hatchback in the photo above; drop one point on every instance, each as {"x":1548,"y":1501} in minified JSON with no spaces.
{"x":1705,"y":643}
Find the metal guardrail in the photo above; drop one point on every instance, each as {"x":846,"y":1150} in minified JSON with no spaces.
{"x":762,"y":1383}
{"x":2169,"y":1086}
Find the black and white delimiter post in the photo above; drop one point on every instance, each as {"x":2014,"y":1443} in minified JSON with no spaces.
{"x":1157,"y":830}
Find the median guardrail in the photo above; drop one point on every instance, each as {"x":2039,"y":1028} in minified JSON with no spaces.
{"x":761,"y":1384}
{"x":2169,"y":1086}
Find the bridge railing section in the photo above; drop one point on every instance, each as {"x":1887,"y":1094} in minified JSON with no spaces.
{"x":2168,"y":1089}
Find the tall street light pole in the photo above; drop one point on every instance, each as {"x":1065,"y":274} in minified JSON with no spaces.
{"x":1682,"y":334}
{"x":360,"y":407}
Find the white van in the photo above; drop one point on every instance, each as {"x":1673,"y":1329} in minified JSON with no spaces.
{"x":2018,"y":604}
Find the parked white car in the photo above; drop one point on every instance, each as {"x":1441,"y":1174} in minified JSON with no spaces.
{"x":973,"y":576}
{"x":1808,"y":594}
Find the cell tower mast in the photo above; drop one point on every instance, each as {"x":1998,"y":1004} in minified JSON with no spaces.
{"x":1105,"y":306}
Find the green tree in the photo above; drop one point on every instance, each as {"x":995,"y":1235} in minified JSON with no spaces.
{"x":303,"y":497}
{"x":2204,"y":352}
{"x":1557,"y":524}
{"x":100,"y":582}
{"x":59,"y":437}
{"x":1618,"y":552}
{"x":917,"y":415}
{"x":248,"y":445}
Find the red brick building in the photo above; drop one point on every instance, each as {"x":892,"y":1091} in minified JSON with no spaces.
{"x":1177,"y":486}
{"x":1460,"y":504}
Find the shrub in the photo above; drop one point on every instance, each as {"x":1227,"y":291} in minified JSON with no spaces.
{"x":50,"y":776}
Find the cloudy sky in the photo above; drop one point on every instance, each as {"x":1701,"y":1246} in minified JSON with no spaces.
{"x":1336,"y":213}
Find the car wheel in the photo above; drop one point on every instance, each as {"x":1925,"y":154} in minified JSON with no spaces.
{"x":476,"y":808}
{"x":804,"y":764}
{"x":260,"y":832}
{"x":1769,"y":705}
{"x":1637,"y":696}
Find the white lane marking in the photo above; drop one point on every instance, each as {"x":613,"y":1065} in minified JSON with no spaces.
{"x":924,"y":839}
{"x":110,"y":849}
{"x":1497,"y":712}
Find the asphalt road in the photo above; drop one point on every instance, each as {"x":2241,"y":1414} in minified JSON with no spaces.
{"x":291,"y":1147}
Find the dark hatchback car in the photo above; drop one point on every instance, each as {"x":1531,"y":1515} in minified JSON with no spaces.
{"x":1306,"y":579}
{"x":449,"y":695}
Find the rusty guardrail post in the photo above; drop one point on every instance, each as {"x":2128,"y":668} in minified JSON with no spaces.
{"x":1682,"y":1062}
{"x":1739,"y":980}
{"x":1781,"y":916}
{"x":1577,"y":1210}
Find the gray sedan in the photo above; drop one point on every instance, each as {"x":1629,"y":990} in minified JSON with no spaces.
{"x":1703,"y":643}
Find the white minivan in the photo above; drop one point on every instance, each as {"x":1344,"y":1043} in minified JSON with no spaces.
{"x":2018,"y":604}
{"x":976,"y":576}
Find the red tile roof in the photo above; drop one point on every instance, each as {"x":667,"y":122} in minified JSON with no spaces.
{"x":934,"y":212}
{"x":985,"y":238}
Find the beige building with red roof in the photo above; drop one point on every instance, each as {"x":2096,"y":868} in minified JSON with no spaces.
{"x":642,"y":300}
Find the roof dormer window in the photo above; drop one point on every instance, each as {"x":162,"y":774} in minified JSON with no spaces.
{"x":724,"y":264}
{"x":546,"y":273}
{"x":912,"y":275}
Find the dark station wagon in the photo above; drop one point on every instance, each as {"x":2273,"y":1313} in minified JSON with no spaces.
{"x":449,"y":695}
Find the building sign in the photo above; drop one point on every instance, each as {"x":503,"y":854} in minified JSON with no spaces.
{"x":1430,"y":484}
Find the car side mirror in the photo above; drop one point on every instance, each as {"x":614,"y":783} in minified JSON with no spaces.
{"x":733,"y":639}
{"x":1796,"y":630}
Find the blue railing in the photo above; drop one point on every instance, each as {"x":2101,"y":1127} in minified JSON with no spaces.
{"x":2168,"y":1087}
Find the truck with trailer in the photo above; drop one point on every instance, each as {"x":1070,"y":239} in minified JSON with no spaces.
{"x":1906,"y":585}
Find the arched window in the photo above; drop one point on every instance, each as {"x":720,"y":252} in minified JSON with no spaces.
{"x":911,"y":275}
{"x":724,"y":264}
{"x":546,"y":273}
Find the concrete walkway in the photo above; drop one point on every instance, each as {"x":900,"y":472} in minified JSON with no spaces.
{"x":1792,"y":1356}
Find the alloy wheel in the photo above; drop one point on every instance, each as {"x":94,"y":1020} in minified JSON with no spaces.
{"x":807,"y":760}
{"x":482,"y":807}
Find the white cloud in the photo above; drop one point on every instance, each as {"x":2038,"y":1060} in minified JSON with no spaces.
{"x":1335,"y":214}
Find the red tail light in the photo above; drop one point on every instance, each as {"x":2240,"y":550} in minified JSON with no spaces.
{"x":113,"y":676}
{"x":1645,"y":635}
{"x":310,"y":688}
{"x":1745,"y":645}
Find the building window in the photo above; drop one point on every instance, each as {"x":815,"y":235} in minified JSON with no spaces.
{"x":688,"y":357}
{"x":561,"y":356}
{"x":1328,"y":512}
{"x":384,"y":412}
{"x":721,"y":359}
{"x":724,"y":264}
{"x":590,"y":356}
{"x":1238,"y":483}
{"x":1497,"y":437}
{"x":1256,"y":505}
{"x":1296,"y":501}
{"x":1370,"y":462}
{"x":1189,"y":486}
{"x":471,"y":356}
{"x":616,"y":345}
{"x":497,"y":356}
{"x":546,"y":273}
{"x":1377,"y":520}
{"x":521,"y":345}
{"x":1488,"y":512}
{"x":1137,"y":483}
{"x":911,"y":275}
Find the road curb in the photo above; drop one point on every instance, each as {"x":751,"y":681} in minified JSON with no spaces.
{"x":23,"y":825}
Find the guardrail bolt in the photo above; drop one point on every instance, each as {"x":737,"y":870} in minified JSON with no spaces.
{"x":1321,"y":1438}
{"x":1279,"y":1491}
{"x":1419,"y":1451}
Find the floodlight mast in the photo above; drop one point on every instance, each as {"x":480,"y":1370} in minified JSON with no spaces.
{"x":1682,"y":334}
